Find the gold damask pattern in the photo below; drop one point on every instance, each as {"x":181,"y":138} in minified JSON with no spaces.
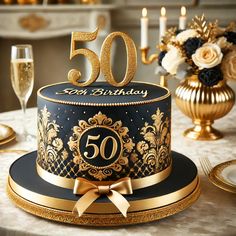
{"x":152,"y":155}
{"x":101,"y":120}
{"x":50,"y":147}
{"x":155,"y":149}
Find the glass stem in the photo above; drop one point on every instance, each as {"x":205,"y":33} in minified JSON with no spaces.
{"x":23,"y":104}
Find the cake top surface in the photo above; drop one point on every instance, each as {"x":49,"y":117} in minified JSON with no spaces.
{"x":103,"y":94}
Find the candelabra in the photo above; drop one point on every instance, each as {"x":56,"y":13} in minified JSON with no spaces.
{"x":162,"y":33}
{"x":147,"y":60}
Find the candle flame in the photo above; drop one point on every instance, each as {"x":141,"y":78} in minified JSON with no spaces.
{"x":144,"y":12}
{"x":163,"y":11}
{"x":183,"y":11}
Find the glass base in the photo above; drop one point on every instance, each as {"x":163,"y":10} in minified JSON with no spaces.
{"x":203,"y":131}
{"x":28,"y":140}
{"x":26,"y":137}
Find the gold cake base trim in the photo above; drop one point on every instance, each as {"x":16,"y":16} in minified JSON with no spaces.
{"x":94,"y":219}
{"x":106,"y":207}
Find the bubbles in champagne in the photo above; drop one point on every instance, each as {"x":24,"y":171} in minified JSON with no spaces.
{"x":22,"y":77}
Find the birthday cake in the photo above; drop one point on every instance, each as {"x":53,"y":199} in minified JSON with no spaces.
{"x":104,"y":133}
{"x":104,"y":153}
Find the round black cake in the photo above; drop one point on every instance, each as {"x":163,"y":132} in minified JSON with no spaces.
{"x":104,"y":157}
{"x":104,"y":152}
{"x":103,"y":133}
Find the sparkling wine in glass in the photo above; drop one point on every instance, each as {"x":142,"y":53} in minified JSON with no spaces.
{"x":22,"y":77}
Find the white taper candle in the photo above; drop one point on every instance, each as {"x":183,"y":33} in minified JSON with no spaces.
{"x":144,"y":29}
{"x":162,"y":23}
{"x":182,"y":19}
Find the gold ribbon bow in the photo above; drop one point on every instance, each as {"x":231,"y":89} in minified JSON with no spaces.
{"x":92,"y":191}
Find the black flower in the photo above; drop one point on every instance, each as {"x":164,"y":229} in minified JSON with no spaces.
{"x":191,"y":45}
{"x":211,"y":76}
{"x":231,"y":37}
{"x":161,"y":56}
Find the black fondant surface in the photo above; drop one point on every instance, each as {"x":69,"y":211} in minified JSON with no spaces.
{"x":23,"y":172}
{"x":133,"y":117}
{"x":110,"y":93}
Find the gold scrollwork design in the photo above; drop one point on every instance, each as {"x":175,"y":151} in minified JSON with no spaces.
{"x":155,"y":148}
{"x":50,"y":147}
{"x":33,"y":22}
{"x":101,"y":120}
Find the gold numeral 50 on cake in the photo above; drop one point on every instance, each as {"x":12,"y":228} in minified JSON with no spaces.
{"x":104,"y":65}
{"x":102,"y":147}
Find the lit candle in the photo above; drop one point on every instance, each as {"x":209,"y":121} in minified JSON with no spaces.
{"x":144,"y":29}
{"x":182,"y":19}
{"x":162,"y":23}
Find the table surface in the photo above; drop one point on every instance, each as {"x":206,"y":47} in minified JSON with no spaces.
{"x":213,"y":214}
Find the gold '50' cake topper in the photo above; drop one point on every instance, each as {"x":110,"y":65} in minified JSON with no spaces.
{"x":104,"y":65}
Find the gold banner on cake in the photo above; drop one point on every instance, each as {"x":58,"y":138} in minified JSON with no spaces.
{"x":91,"y":192}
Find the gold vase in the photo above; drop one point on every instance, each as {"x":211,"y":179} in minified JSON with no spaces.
{"x":203,"y":105}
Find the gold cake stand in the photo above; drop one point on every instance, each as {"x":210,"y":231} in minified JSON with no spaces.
{"x":111,"y":219}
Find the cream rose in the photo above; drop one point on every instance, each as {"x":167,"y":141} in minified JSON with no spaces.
{"x":185,"y":35}
{"x":207,"y":56}
{"x":172,"y":60}
{"x":229,"y":65}
{"x":222,"y":42}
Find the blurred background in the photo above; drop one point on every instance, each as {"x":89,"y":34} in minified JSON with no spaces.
{"x":47,"y":26}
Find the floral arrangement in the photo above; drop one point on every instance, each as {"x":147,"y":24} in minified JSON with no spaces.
{"x":204,"y":49}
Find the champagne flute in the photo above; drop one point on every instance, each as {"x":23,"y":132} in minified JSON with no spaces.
{"x":22,"y":78}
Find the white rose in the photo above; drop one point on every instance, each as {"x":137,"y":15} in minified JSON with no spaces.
{"x":228,"y":65}
{"x":172,"y":60}
{"x":207,"y":56}
{"x":222,"y":42}
{"x":185,"y":35}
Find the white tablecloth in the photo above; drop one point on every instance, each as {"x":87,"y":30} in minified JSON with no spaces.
{"x":213,"y":214}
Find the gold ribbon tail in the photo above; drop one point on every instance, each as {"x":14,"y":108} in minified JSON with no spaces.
{"x":119,"y":201}
{"x":85,"y":201}
{"x":91,"y":192}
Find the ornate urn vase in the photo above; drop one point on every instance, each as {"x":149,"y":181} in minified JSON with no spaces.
{"x":204,"y":104}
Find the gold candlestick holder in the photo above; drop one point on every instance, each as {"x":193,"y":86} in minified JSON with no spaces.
{"x":144,"y":56}
{"x":148,"y":60}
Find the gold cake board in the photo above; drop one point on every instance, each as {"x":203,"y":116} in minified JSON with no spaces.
{"x":113,"y":219}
